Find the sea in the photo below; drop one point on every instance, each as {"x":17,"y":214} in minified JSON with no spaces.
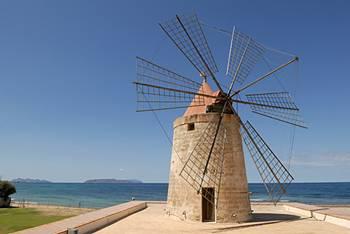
{"x":104,"y":195}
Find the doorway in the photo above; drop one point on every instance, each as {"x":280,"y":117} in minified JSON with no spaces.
{"x":208,"y":201}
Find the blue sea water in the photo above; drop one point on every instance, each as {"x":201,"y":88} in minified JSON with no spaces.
{"x":104,"y":195}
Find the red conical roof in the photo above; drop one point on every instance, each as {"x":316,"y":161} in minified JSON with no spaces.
{"x":194,"y":107}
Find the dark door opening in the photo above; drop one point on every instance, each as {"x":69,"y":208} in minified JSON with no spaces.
{"x":208,"y":209}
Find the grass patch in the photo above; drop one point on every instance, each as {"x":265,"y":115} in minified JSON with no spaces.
{"x":16,"y":219}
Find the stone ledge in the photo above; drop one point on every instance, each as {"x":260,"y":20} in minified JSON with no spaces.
{"x":201,"y":118}
{"x":89,"y":222}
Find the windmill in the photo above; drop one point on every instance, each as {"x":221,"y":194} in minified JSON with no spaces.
{"x":207,"y":174}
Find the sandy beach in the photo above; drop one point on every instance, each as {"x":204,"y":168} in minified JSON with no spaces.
{"x":53,"y":209}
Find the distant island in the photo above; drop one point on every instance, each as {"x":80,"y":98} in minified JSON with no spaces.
{"x":112,"y":181}
{"x":28,"y":180}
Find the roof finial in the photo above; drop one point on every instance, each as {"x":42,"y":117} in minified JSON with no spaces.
{"x":203,"y":76}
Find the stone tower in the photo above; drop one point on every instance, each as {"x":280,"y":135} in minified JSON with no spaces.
{"x":232,"y":203}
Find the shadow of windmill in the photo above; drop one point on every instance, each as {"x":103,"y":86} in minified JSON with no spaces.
{"x":260,"y":219}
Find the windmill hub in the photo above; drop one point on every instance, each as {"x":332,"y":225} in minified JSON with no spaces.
{"x":220,"y":105}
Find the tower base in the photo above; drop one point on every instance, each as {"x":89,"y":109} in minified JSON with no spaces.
{"x":232,"y":203}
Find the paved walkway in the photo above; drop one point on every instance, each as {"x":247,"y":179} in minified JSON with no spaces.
{"x":268,"y":219}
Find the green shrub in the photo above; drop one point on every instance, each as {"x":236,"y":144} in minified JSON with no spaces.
{"x":6,"y":189}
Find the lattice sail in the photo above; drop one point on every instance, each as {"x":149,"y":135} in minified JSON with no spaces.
{"x":193,"y":169}
{"x":187,"y":34}
{"x":275,"y":176}
{"x":159,"y":88}
{"x":276,"y":105}
{"x":244,"y":54}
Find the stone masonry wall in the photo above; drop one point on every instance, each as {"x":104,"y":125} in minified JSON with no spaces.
{"x":233,"y":203}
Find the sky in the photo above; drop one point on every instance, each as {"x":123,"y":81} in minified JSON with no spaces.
{"x":67,"y":103}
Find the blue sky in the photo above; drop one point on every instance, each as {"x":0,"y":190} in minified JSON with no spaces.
{"x":67,"y":105}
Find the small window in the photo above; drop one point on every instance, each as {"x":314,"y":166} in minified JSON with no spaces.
{"x":190,"y":127}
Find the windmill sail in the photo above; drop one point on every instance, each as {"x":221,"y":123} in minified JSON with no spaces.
{"x":187,"y":34}
{"x":282,"y":107}
{"x":244,"y":54}
{"x":275,"y":176}
{"x":159,"y":88}
{"x":193,"y":171}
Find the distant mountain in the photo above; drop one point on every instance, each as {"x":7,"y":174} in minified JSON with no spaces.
{"x":112,"y":181}
{"x":28,"y":180}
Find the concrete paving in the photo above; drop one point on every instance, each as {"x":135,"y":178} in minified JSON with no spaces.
{"x":268,"y":219}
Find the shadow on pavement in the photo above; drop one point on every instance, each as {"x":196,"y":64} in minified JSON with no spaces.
{"x":260,"y":219}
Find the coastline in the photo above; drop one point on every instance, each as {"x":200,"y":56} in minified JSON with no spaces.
{"x":34,"y":204}
{"x":51,"y":209}
{"x":106,"y":195}
{"x":29,"y":203}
